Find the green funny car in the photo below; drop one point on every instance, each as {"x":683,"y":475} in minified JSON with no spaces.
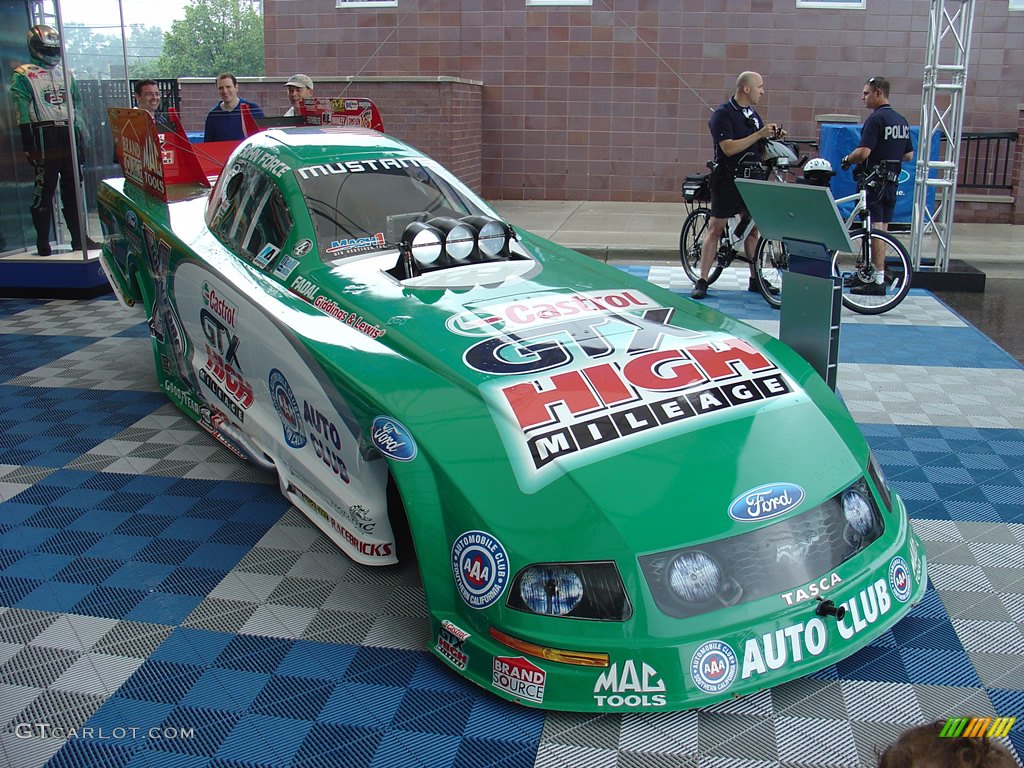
{"x":618,"y":499}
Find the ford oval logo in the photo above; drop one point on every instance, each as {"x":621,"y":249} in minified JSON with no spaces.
{"x":392,"y":439}
{"x":766,"y":502}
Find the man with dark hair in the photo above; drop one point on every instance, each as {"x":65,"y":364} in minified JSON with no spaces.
{"x":884,"y":138}
{"x":736,"y":131}
{"x":41,"y":109}
{"x":147,"y":96}
{"x":224,"y":121}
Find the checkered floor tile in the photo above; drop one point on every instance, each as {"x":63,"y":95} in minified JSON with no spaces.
{"x":162,"y":606}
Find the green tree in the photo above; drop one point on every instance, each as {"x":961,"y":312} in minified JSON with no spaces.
{"x":91,"y":54}
{"x":143,"y":48}
{"x":97,"y":56}
{"x":215,"y":36}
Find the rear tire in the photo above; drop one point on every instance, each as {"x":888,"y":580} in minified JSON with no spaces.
{"x":691,"y":239}
{"x":898,"y":272}
{"x":771,"y":262}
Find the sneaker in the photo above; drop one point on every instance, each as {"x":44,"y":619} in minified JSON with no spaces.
{"x":700,"y":290}
{"x":858,"y":279}
{"x":753,"y":287}
{"x":869,"y":289}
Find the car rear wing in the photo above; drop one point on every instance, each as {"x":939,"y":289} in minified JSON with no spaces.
{"x":156,"y":155}
{"x":328,"y":110}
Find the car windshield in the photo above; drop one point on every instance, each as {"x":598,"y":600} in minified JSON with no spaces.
{"x":367,"y":204}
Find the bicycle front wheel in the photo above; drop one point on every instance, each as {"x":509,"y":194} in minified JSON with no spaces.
{"x":771,"y":262}
{"x":855,"y":270}
{"x":695,"y":229}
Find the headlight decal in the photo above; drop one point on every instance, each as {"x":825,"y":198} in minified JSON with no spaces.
{"x":551,"y":590}
{"x":782,"y":558}
{"x":571,"y":590}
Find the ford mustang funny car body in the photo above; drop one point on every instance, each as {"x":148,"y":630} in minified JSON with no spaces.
{"x":618,"y":499}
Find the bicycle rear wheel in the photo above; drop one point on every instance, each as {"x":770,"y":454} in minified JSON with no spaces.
{"x":695,"y":229}
{"x":771,"y":262}
{"x":851,"y":268}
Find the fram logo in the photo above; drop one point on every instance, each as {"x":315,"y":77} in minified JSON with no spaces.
{"x":977,"y":727}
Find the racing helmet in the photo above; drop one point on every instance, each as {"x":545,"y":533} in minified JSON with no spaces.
{"x":818,"y":172}
{"x":44,"y":44}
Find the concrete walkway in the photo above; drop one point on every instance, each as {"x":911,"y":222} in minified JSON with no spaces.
{"x":650,"y":231}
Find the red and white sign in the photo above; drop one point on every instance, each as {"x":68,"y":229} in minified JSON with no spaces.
{"x":518,"y":676}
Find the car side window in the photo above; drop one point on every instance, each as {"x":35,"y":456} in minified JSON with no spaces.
{"x":227,"y":207}
{"x":271,"y":225}
{"x":252,"y":213}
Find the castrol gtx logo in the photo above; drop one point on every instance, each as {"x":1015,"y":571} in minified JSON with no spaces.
{"x":575,"y":378}
{"x":766,"y":502}
{"x":538,"y":310}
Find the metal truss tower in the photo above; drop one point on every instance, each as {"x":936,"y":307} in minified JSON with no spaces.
{"x":942,"y":108}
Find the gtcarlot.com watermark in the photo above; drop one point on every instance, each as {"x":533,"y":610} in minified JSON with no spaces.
{"x":103,"y":733}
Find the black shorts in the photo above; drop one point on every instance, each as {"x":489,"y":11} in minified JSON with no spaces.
{"x":881,"y":205}
{"x":725,"y":198}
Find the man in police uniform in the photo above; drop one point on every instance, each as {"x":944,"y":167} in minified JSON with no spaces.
{"x":41,"y":108}
{"x":885,"y":136}
{"x":737,"y":131}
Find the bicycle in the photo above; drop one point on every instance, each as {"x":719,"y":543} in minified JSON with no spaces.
{"x":697,"y":191}
{"x":856,"y":267}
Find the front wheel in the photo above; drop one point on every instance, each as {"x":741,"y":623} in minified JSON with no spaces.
{"x":860,"y":292}
{"x":695,"y":229}
{"x":771,"y":262}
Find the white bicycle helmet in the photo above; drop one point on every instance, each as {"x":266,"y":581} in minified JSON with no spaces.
{"x":818,"y":172}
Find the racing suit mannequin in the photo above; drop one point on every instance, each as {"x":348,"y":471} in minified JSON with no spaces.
{"x":40,"y":107}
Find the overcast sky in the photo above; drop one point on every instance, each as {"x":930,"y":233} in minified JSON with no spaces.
{"x":104,"y":18}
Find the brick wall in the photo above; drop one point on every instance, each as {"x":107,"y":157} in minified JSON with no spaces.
{"x":438,"y":115}
{"x":611,"y":101}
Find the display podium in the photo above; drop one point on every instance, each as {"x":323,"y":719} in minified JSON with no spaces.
{"x":806,"y":220}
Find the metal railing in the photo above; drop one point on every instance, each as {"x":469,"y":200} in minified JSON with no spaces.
{"x":986,"y":160}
